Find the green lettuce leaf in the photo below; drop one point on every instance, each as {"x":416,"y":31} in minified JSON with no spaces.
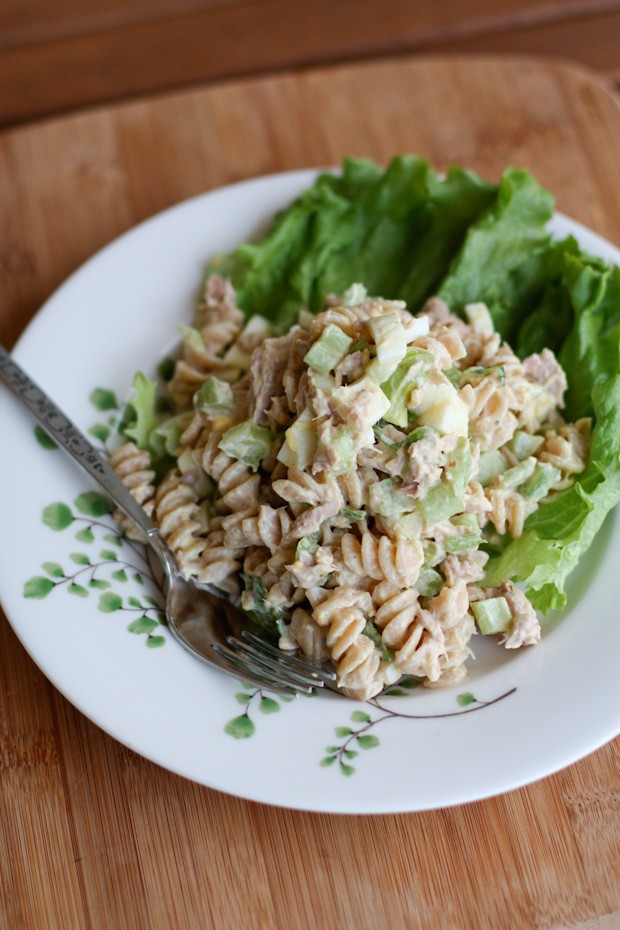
{"x":405,"y":232}
{"x":141,"y":411}
{"x":396,"y":230}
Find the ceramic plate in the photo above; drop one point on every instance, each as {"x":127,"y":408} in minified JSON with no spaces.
{"x":91,"y":617}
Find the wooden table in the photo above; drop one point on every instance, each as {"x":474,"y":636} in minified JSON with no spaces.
{"x":56,"y":56}
{"x":92,"y":836}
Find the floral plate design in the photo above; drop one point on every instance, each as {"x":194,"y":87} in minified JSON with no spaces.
{"x":84,"y":602}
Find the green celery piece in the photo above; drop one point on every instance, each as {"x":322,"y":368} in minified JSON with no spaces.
{"x":461,"y":543}
{"x":373,"y":634}
{"x":446,"y":499}
{"x":306,"y":547}
{"x":411,"y":371}
{"x":540,"y":482}
{"x":475,"y":374}
{"x":525,"y":444}
{"x":429,"y":582}
{"x":419,"y":433}
{"x":492,"y":616}
{"x":387,"y":500}
{"x":329,"y":349}
{"x":433,"y":553}
{"x":343,"y":448}
{"x":247,"y":442}
{"x":491,"y":464}
{"x":515,"y":476}
{"x":468,"y":520}
{"x":214,"y":395}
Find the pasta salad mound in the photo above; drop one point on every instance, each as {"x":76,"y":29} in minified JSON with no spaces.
{"x":347,"y":482}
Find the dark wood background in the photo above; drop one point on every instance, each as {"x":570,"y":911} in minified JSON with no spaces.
{"x":59,"y":55}
{"x":92,"y":837}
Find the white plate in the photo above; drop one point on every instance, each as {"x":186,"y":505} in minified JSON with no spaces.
{"x":518,"y":717}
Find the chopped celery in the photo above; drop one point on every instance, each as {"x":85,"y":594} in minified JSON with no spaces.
{"x":540,"y":481}
{"x":329,"y":349}
{"x":492,"y":616}
{"x":421,"y":432}
{"x":411,"y":371}
{"x":373,"y":634}
{"x":446,"y":499}
{"x":461,"y":543}
{"x":459,"y":466}
{"x":247,"y":442}
{"x":433,"y":553}
{"x":477,"y":372}
{"x":468,"y":520}
{"x":387,"y":500}
{"x":409,"y":525}
{"x":355,"y":516}
{"x":382,"y":437}
{"x":525,"y":444}
{"x":515,"y":476}
{"x":429,"y":582}
{"x":214,"y":396}
{"x":343,"y":450}
{"x":306,"y":547}
{"x":490,"y":465}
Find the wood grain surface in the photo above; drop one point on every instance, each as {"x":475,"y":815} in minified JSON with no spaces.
{"x":91,"y":835}
{"x":57,"y":56}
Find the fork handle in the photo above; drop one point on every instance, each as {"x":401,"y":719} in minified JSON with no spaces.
{"x":73,"y":441}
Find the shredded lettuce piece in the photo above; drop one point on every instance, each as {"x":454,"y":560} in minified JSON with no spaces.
{"x":267,"y":620}
{"x":247,"y":442}
{"x":142,"y":411}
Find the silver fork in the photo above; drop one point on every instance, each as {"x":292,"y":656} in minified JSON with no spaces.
{"x":210,"y":627}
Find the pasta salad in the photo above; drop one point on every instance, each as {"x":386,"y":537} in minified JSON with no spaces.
{"x":345,"y":482}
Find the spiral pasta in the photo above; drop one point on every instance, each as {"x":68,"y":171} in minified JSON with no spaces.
{"x":337,"y":481}
{"x":382,"y":558}
{"x":133,"y":467}
{"x":177,"y":513}
{"x":341,"y":615}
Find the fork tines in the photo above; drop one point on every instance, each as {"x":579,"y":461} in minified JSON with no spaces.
{"x":276,"y":668}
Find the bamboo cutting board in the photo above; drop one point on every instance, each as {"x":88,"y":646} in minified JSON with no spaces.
{"x":92,"y":836}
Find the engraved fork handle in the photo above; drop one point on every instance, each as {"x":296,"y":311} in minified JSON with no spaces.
{"x":73,"y":441}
